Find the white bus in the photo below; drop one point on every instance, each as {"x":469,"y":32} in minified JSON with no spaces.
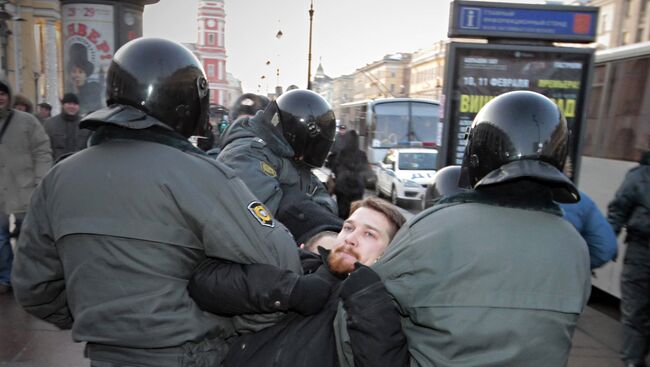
{"x":617,"y":132}
{"x":387,"y":123}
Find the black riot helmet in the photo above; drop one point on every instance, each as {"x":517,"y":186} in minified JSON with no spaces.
{"x":307,"y":123}
{"x":247,"y":105}
{"x":446,"y":182}
{"x":163,"y":79}
{"x":516,"y":135}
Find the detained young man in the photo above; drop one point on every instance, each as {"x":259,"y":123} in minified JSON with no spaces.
{"x":340,"y":278}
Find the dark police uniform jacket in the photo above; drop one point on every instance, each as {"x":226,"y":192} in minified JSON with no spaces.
{"x":262,"y":158}
{"x":490,"y":278}
{"x":113,"y":234}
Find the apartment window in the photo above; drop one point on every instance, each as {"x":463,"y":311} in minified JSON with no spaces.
{"x":210,"y":38}
{"x":603,"y":23}
{"x":626,"y":38}
{"x":210,"y":69}
{"x":627,"y":8}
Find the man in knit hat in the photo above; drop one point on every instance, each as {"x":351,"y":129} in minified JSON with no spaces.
{"x":63,"y":129}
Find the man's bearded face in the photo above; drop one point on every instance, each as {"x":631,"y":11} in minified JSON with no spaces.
{"x":364,"y":237}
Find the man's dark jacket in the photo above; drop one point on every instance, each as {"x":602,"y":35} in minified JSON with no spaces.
{"x":372,"y":319}
{"x":65,"y":134}
{"x":631,"y":205}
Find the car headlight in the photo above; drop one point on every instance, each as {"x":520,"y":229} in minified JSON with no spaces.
{"x":409,"y":183}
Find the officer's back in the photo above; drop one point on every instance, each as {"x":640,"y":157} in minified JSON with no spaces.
{"x":115,"y":231}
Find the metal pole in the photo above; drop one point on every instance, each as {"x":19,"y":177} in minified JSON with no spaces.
{"x":311,"y":19}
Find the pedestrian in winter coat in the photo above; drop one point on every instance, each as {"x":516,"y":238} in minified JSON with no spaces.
{"x":115,"y":231}
{"x":22,"y":103}
{"x":274,"y":151}
{"x":305,"y":337}
{"x":630,"y":208}
{"x":347,"y":166}
{"x":63,"y":129}
{"x":25,"y":158}
{"x":495,"y":276}
{"x":593,"y":227}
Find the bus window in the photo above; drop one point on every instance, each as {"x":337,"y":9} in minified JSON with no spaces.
{"x":424,"y":122}
{"x":624,"y":132}
{"x":391,"y":124}
{"x":594,"y":108}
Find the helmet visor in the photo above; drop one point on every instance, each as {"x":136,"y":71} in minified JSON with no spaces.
{"x":316,"y":151}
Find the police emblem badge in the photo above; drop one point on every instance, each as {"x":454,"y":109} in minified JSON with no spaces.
{"x":261,"y":213}
{"x":268,"y":170}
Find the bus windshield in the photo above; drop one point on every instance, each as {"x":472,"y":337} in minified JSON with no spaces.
{"x":404,"y":122}
{"x":424,"y":122}
{"x":392,"y":124}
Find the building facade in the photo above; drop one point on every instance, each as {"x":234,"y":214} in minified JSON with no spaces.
{"x":622,"y":22}
{"x":40,"y":39}
{"x":211,"y":48}
{"x":30,"y":40}
{"x":388,"y":77}
{"x":427,"y":71}
{"x":322,"y":84}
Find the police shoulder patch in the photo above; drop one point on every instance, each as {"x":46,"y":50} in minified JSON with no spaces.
{"x":261,"y":213}
{"x":268,"y":169}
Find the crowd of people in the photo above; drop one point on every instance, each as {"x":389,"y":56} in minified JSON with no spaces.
{"x":156,"y":253}
{"x":30,"y":143}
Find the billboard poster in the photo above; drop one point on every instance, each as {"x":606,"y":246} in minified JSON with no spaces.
{"x":88,"y":35}
{"x":482,"y":72}
{"x":524,"y":21}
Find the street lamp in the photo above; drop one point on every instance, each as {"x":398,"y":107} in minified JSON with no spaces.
{"x":311,"y":20}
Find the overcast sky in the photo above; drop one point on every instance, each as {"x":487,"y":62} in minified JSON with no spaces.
{"x":347,"y":34}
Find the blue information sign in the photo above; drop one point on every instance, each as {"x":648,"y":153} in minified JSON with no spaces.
{"x":507,"y":20}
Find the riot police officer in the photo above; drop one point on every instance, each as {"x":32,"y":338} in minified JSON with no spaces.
{"x":496,"y":266}
{"x":247,"y":105}
{"x":115,"y":231}
{"x":445,"y":183}
{"x":274,"y":151}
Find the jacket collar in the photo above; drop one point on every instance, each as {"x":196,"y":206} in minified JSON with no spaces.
{"x":522,"y":194}
{"x":258,"y":127}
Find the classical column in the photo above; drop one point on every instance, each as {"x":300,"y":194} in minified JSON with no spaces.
{"x":51,"y":65}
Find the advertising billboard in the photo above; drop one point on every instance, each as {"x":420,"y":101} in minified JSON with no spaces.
{"x":88,"y":35}
{"x":559,"y":23}
{"x":477,"y":73}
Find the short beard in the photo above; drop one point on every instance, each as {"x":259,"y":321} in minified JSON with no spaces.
{"x":336,"y":262}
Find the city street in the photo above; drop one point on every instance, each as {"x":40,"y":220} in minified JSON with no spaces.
{"x":28,"y":342}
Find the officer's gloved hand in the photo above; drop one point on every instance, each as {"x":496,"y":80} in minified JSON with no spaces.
{"x":303,"y":217}
{"x":311,"y":292}
{"x":362,"y":277}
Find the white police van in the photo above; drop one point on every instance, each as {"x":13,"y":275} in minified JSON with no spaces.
{"x":405,"y":173}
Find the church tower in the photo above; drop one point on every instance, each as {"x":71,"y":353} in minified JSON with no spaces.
{"x":212,"y":48}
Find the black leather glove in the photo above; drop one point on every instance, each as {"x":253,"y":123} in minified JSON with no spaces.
{"x":362,"y":277}
{"x":303,"y":217}
{"x":312,"y":291}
